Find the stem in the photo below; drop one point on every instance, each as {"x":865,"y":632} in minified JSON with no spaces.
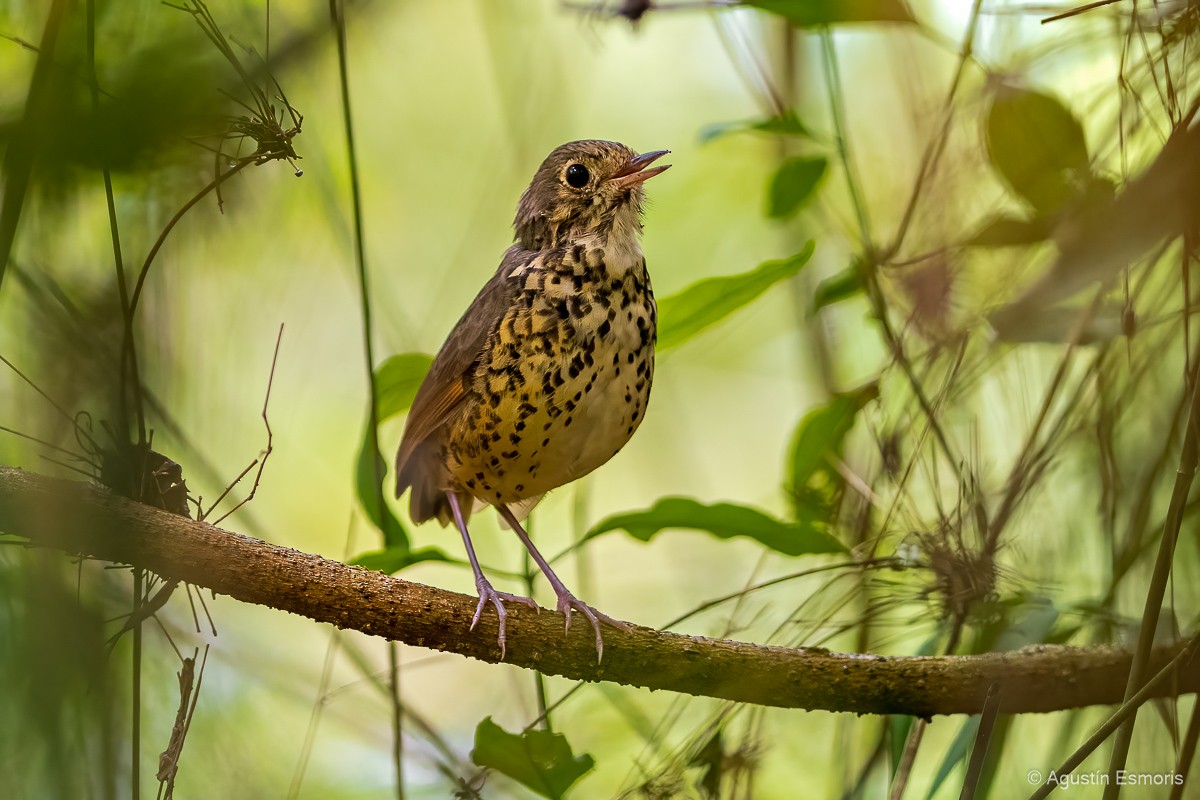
{"x":869,"y":261}
{"x":983,"y":737}
{"x":128,"y":352}
{"x":162,"y":237}
{"x":917,"y":732}
{"x":934,"y":152}
{"x":528,"y":573}
{"x":1168,"y":674}
{"x":833,"y":83}
{"x":393,"y":685}
{"x":1186,"y":753}
{"x":1017,"y":480}
{"x":338,"y":19}
{"x":135,"y":766}
{"x":1158,"y":581}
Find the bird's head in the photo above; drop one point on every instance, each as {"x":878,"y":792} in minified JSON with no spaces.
{"x":584,"y":188}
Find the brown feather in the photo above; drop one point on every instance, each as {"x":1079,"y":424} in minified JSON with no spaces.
{"x":444,"y":392}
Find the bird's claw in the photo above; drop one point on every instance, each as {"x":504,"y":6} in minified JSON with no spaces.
{"x":487,"y":594}
{"x":568,"y":601}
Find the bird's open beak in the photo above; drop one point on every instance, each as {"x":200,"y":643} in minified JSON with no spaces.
{"x":635,"y":171}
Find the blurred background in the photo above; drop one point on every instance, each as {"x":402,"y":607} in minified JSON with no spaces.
{"x":941,"y":389}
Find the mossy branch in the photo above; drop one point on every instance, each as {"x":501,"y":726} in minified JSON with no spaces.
{"x":79,"y":518}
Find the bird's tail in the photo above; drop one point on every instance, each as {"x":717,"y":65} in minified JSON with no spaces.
{"x":428,"y":499}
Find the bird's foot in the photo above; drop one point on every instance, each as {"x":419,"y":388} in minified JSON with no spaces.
{"x":568,"y":601}
{"x":487,"y":594}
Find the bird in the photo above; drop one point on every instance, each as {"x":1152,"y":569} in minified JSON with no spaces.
{"x":547,"y":374}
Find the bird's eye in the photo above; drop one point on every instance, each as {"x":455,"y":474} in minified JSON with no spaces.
{"x":578,"y":176}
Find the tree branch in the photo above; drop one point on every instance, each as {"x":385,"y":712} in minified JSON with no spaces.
{"x":79,"y":518}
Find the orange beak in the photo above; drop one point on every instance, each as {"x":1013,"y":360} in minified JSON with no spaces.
{"x":635,"y":171}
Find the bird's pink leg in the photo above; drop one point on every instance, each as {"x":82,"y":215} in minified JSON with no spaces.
{"x":487,"y":594}
{"x":566,"y":600}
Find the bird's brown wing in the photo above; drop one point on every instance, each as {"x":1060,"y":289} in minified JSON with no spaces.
{"x":446,"y":387}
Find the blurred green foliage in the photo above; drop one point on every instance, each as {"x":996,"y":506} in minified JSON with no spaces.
{"x":931,"y":233}
{"x":1038,"y":146}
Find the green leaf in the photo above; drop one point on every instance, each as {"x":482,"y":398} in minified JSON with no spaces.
{"x":957,"y":753}
{"x":793,"y":185}
{"x":813,"y":482}
{"x":839,"y":287}
{"x":725,"y":521}
{"x":538,"y":759}
{"x":368,"y":474}
{"x":397,"y":381}
{"x":1004,"y":231}
{"x":1038,"y":146}
{"x":393,"y":559}
{"x":812,"y":13}
{"x":681,"y":316}
{"x":785,"y":124}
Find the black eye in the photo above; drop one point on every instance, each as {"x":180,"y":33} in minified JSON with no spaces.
{"x":578,"y":176}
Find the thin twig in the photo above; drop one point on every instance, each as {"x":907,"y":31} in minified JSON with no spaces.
{"x":937,"y":144}
{"x":1127,"y":711}
{"x":71,"y":467}
{"x":868,"y":263}
{"x":79,"y":431}
{"x":1156,"y":591}
{"x":862,"y":565}
{"x":145,"y":611}
{"x":322,"y":698}
{"x":175,"y":748}
{"x":166,"y":231}
{"x":1187,"y":752}
{"x":1017,"y":480}
{"x":983,"y":737}
{"x":168,"y":760}
{"x":1083,"y":9}
{"x":314,"y":717}
{"x":262,"y":463}
{"x":916,"y":733}
{"x":135,"y":732}
{"x":836,"y":98}
{"x":42,"y":442}
{"x":201,"y":514}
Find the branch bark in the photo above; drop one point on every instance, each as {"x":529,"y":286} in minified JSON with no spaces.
{"x":79,"y":518}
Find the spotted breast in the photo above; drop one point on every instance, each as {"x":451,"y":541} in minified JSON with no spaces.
{"x":547,"y":373}
{"x":563,"y":380}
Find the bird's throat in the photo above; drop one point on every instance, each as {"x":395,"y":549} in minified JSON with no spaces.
{"x":621,"y":243}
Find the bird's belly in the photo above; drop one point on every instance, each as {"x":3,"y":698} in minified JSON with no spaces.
{"x":561,"y":424}
{"x":603,"y":422}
